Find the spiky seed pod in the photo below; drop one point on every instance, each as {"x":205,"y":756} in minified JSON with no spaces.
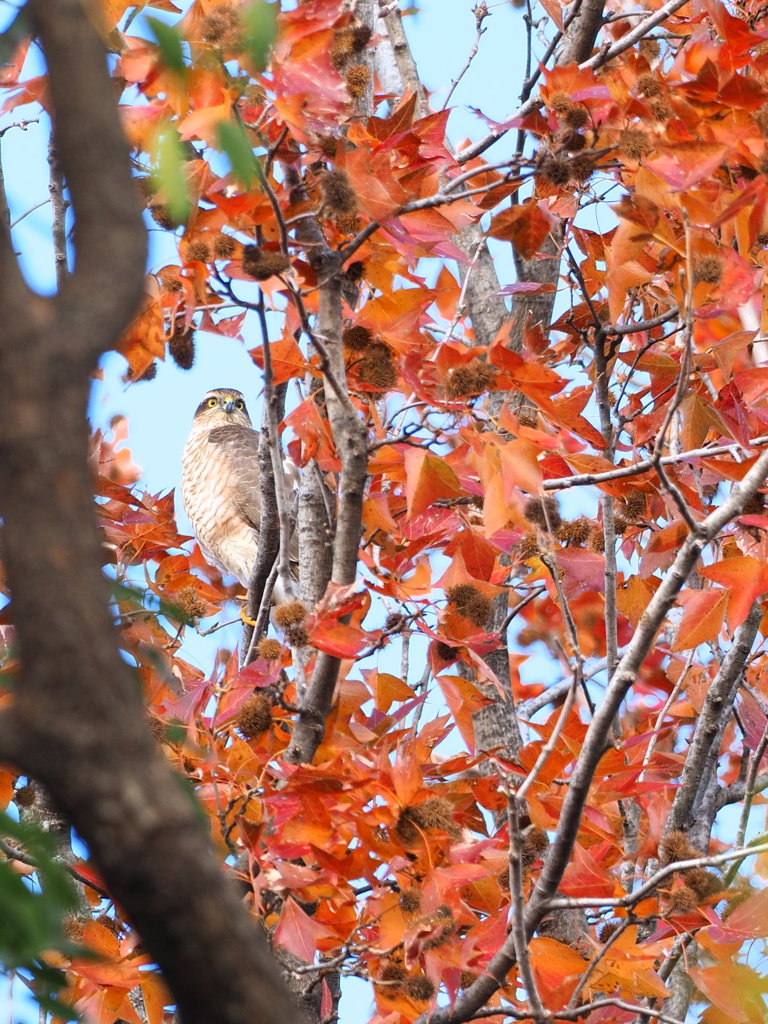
{"x":348,"y":223}
{"x":392,"y":974}
{"x":683,"y":900}
{"x":357,"y":78}
{"x":376,"y":369}
{"x":576,"y":532}
{"x":434,"y":814}
{"x":190,"y":607}
{"x":555,"y":169}
{"x":607,"y":930}
{"x":291,"y":613}
{"x":596,"y":540}
{"x":543,"y":512}
{"x":528,"y":417}
{"x":112,"y":924}
{"x":356,"y":338}
{"x":161,"y":216}
{"x":704,"y":883}
{"x":649,"y":85}
{"x":197,"y":250}
{"x":73,"y":928}
{"x":528,"y":547}
{"x":181,"y":346}
{"x":223,"y":246}
{"x":661,"y":108}
{"x":149,"y":374}
{"x":410,"y":901}
{"x":470,"y":602}
{"x":473,"y":378}
{"x":255,"y":94}
{"x":355,"y":271}
{"x":25,"y":796}
{"x":676,"y":846}
{"x":634,"y":505}
{"x":467,"y":979}
{"x":361,"y":36}
{"x":444,"y":924}
{"x":156,"y":727}
{"x":338,"y":194}
{"x":394,"y":622}
{"x":576,"y":116}
{"x":419,"y":987}
{"x":328,"y":146}
{"x":634,"y":143}
{"x":254,"y":716}
{"x":762,"y":239}
{"x":341,"y":48}
{"x":561,"y":103}
{"x":170,"y":282}
{"x":269,"y":649}
{"x":650,"y":48}
{"x":297,"y":636}
{"x":582,"y":167}
{"x":261,"y":264}
{"x":620,"y":525}
{"x":738,"y":894}
{"x":437,"y":813}
{"x":445,"y":652}
{"x":220,"y":26}
{"x":405,"y":828}
{"x":708,"y":269}
{"x":570,"y":140}
{"x":534,"y":842}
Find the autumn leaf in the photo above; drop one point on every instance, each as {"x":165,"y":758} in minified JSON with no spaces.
{"x":428,"y":479}
{"x":526,"y":226}
{"x":745,"y":578}
{"x":703,"y":614}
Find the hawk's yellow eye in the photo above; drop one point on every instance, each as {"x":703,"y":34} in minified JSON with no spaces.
{"x":239,"y":404}
{"x":212,"y":402}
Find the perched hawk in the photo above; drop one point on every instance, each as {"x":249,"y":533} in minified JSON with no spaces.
{"x":220,"y":482}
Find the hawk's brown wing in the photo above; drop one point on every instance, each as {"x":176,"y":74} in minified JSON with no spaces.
{"x":240,"y":448}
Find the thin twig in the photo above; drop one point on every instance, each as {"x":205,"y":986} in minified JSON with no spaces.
{"x":480,"y":11}
{"x":649,"y":888}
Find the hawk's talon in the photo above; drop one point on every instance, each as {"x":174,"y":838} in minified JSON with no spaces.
{"x":248,"y":621}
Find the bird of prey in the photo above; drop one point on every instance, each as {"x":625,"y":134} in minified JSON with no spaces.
{"x":220,"y":482}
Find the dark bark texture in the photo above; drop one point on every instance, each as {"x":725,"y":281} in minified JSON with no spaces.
{"x":77,"y":723}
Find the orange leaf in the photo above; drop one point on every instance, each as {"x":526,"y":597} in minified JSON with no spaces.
{"x":734,"y":988}
{"x":388,"y":689}
{"x":428,"y":478}
{"x":287,"y":359}
{"x":702,"y":619}
{"x":746,"y":578}
{"x":156,"y":997}
{"x":299,"y":933}
{"x":750,"y":918}
{"x":463,"y":699}
{"x":525,"y":226}
{"x":632,"y":599}
{"x":585,"y":877}
{"x":555,"y":964}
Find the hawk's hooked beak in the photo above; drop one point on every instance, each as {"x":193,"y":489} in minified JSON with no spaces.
{"x":229,"y":405}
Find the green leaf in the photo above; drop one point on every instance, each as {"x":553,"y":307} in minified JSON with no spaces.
{"x":234,"y":142}
{"x":169,"y":43}
{"x":170,"y":174}
{"x":259,"y":31}
{"x":31,"y":918}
